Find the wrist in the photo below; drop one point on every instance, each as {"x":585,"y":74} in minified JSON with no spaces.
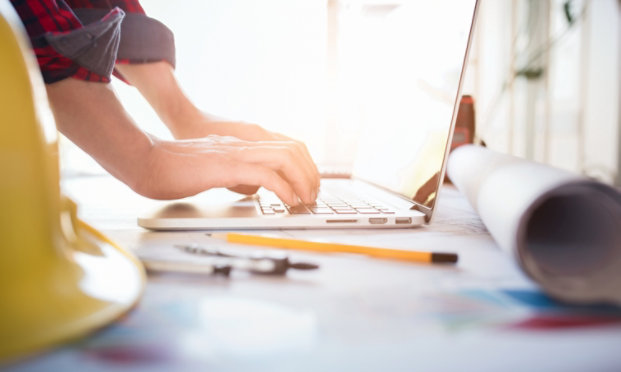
{"x":188,"y":122}
{"x":157,"y":83}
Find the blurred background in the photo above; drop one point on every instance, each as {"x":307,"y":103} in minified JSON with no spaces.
{"x":545,"y":74}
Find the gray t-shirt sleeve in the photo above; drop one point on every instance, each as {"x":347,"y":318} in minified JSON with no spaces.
{"x":143,"y":39}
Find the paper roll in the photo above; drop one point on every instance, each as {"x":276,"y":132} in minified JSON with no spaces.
{"x":563,"y":229}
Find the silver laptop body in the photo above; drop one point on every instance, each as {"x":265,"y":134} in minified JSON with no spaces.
{"x":411,"y":106}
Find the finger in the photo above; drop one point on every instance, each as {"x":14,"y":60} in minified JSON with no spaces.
{"x":252,"y":174}
{"x":282,"y":156}
{"x":309,"y":158}
{"x":245,"y":189}
{"x":288,"y":162}
{"x":276,"y":139}
{"x":310,"y":166}
{"x":304,"y":150}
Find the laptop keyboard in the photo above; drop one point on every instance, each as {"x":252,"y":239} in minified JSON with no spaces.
{"x":326,"y":204}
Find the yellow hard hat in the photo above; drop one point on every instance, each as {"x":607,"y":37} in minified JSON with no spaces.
{"x":59,"y":278}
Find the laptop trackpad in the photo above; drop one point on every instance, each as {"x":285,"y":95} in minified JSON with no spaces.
{"x":242,"y":208}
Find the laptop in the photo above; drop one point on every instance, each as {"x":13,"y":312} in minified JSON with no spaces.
{"x":406,"y":84}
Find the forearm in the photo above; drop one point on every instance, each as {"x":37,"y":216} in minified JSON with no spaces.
{"x":159,"y":86}
{"x":91,"y":116}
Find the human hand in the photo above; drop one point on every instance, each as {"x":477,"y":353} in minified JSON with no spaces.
{"x":182,"y":168}
{"x":204,"y":124}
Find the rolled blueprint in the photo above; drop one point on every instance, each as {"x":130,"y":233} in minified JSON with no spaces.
{"x":563,"y":229}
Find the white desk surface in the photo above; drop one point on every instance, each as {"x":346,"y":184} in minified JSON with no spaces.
{"x":353,"y":314}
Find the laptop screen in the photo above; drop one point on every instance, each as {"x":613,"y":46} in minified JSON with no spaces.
{"x":408,"y":76}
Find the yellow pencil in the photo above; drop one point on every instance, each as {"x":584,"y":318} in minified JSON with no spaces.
{"x":395,"y":254}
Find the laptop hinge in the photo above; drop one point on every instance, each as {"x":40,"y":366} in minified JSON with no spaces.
{"x":424,"y":210}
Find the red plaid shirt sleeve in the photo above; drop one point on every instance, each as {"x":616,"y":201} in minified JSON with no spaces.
{"x":41,"y":17}
{"x":129,"y":6}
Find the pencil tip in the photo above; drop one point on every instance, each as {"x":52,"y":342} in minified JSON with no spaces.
{"x":217,"y":235}
{"x":444,"y":257}
{"x":303,"y":266}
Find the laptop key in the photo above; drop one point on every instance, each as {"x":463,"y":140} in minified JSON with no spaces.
{"x":345,"y":211}
{"x":322,"y":211}
{"x":298,"y":209}
{"x":367,"y":211}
